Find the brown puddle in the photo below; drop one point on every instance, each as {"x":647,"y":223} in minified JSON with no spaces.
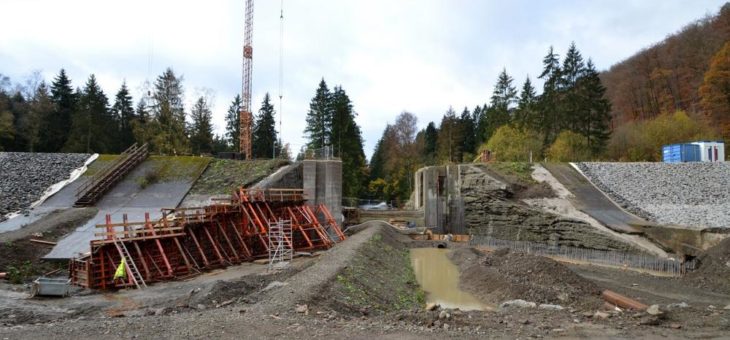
{"x":439,"y":278}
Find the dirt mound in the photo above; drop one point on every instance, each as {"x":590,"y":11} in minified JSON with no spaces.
{"x":369,"y":273}
{"x":505,"y":275}
{"x":714,"y":270}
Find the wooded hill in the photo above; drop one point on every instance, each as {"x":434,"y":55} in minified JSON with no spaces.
{"x":687,"y":71}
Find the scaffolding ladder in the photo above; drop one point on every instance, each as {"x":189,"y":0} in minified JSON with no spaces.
{"x":132,"y":271}
{"x":280,"y":243}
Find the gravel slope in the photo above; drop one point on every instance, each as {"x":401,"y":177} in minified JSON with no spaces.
{"x":689,"y":194}
{"x":25,"y":176}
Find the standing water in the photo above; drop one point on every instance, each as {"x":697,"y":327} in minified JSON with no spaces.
{"x":439,"y":278}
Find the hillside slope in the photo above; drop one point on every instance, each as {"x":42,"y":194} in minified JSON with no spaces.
{"x":667,"y":76}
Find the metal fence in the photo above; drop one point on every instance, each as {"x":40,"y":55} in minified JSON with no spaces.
{"x":613,"y":258}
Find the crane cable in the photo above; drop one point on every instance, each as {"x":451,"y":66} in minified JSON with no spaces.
{"x":281,"y":72}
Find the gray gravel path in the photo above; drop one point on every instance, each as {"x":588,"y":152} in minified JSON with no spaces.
{"x":25,"y":176}
{"x":688,"y":194}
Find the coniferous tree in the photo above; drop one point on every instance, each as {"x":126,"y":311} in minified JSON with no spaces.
{"x":123,"y":112}
{"x":596,"y":119}
{"x":169,"y":114}
{"x":319,"y":118}
{"x":430,"y":144}
{"x":201,"y":129}
{"x":55,"y":127}
{"x":449,"y":138}
{"x":264,"y":131}
{"x":526,"y":115}
{"x":41,"y":105}
{"x":92,"y":128}
{"x":468,"y":145}
{"x":570,"y":101}
{"x":143,"y":127}
{"x":499,"y":111}
{"x":233,"y":124}
{"x":548,"y":103}
{"x":347,"y":143}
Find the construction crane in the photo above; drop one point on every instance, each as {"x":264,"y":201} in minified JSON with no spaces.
{"x":245,"y":115}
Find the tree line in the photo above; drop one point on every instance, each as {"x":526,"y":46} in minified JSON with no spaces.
{"x":513,"y":125}
{"x":686,"y":72}
{"x":36,"y":117}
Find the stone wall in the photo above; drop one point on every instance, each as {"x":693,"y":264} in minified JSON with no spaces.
{"x":489,"y":211}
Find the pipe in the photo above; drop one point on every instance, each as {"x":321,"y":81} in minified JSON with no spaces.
{"x":622,"y":301}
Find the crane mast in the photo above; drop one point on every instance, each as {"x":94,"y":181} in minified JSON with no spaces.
{"x":245,"y":115}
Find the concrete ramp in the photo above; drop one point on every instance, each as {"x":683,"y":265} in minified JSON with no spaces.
{"x":594,"y":202}
{"x":130,"y":197}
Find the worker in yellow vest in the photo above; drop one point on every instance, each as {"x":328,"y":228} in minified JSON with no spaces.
{"x":121,"y":273}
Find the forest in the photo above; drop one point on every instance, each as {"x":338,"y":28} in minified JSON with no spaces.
{"x":676,"y":90}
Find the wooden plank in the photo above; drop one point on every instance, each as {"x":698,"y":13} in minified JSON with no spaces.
{"x":48,"y":243}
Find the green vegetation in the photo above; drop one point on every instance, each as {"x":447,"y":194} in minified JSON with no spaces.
{"x":223,"y":176}
{"x":643,"y":140}
{"x":569,"y":147}
{"x":516,"y":173}
{"x":20,"y":273}
{"x":511,"y":144}
{"x":380,"y":278}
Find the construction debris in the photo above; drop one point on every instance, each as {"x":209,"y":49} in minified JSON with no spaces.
{"x":48,"y":243}
{"x":622,"y":301}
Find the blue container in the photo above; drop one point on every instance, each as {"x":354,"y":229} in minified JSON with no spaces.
{"x":679,"y":153}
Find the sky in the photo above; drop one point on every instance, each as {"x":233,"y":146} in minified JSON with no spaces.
{"x":420,"y":56}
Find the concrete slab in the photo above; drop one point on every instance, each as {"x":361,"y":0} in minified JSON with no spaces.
{"x":592,"y":201}
{"x":126,"y":197}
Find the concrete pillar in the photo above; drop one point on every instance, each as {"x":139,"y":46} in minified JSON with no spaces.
{"x":322,"y":183}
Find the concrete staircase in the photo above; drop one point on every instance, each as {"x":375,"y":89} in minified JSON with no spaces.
{"x":95,"y":187}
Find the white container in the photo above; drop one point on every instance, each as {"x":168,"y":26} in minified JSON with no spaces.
{"x":711,"y":151}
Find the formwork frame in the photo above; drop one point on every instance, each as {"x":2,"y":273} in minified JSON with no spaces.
{"x":186,"y":241}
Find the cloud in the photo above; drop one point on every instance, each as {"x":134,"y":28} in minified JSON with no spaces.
{"x":390,"y":56}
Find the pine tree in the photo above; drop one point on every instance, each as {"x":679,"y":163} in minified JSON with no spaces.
{"x":594,"y":123}
{"x":56,"y":126}
{"x":499,"y":111}
{"x":201,"y":129}
{"x":233,"y":124}
{"x":319,"y":118}
{"x":450,"y":138}
{"x":468,"y":145}
{"x":526,"y":115}
{"x":347,"y":143}
{"x":169,"y":114}
{"x":92,"y":126}
{"x":41,"y":106}
{"x":264,"y":131}
{"x":430,"y":144}
{"x":123,"y":112}
{"x":143,"y":127}
{"x":570,"y":103}
{"x":548,"y":103}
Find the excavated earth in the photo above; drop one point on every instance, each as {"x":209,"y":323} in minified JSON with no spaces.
{"x":360,"y":289}
{"x":24,"y":177}
{"x":489,"y":210}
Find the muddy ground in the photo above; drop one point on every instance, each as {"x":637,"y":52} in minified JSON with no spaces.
{"x":364,"y":288}
{"x":22,"y":259}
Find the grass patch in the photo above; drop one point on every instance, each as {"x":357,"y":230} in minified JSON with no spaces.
{"x":519,"y":171}
{"x":223,"y":176}
{"x":100,"y":163}
{"x":380,"y":279}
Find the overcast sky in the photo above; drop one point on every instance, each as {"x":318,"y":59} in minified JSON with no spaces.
{"x":390,"y":56}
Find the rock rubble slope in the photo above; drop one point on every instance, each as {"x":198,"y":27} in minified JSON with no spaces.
{"x":25,"y":176}
{"x":688,"y":194}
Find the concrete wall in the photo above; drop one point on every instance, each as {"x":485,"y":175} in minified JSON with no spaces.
{"x":428,"y":198}
{"x":322,"y":183}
